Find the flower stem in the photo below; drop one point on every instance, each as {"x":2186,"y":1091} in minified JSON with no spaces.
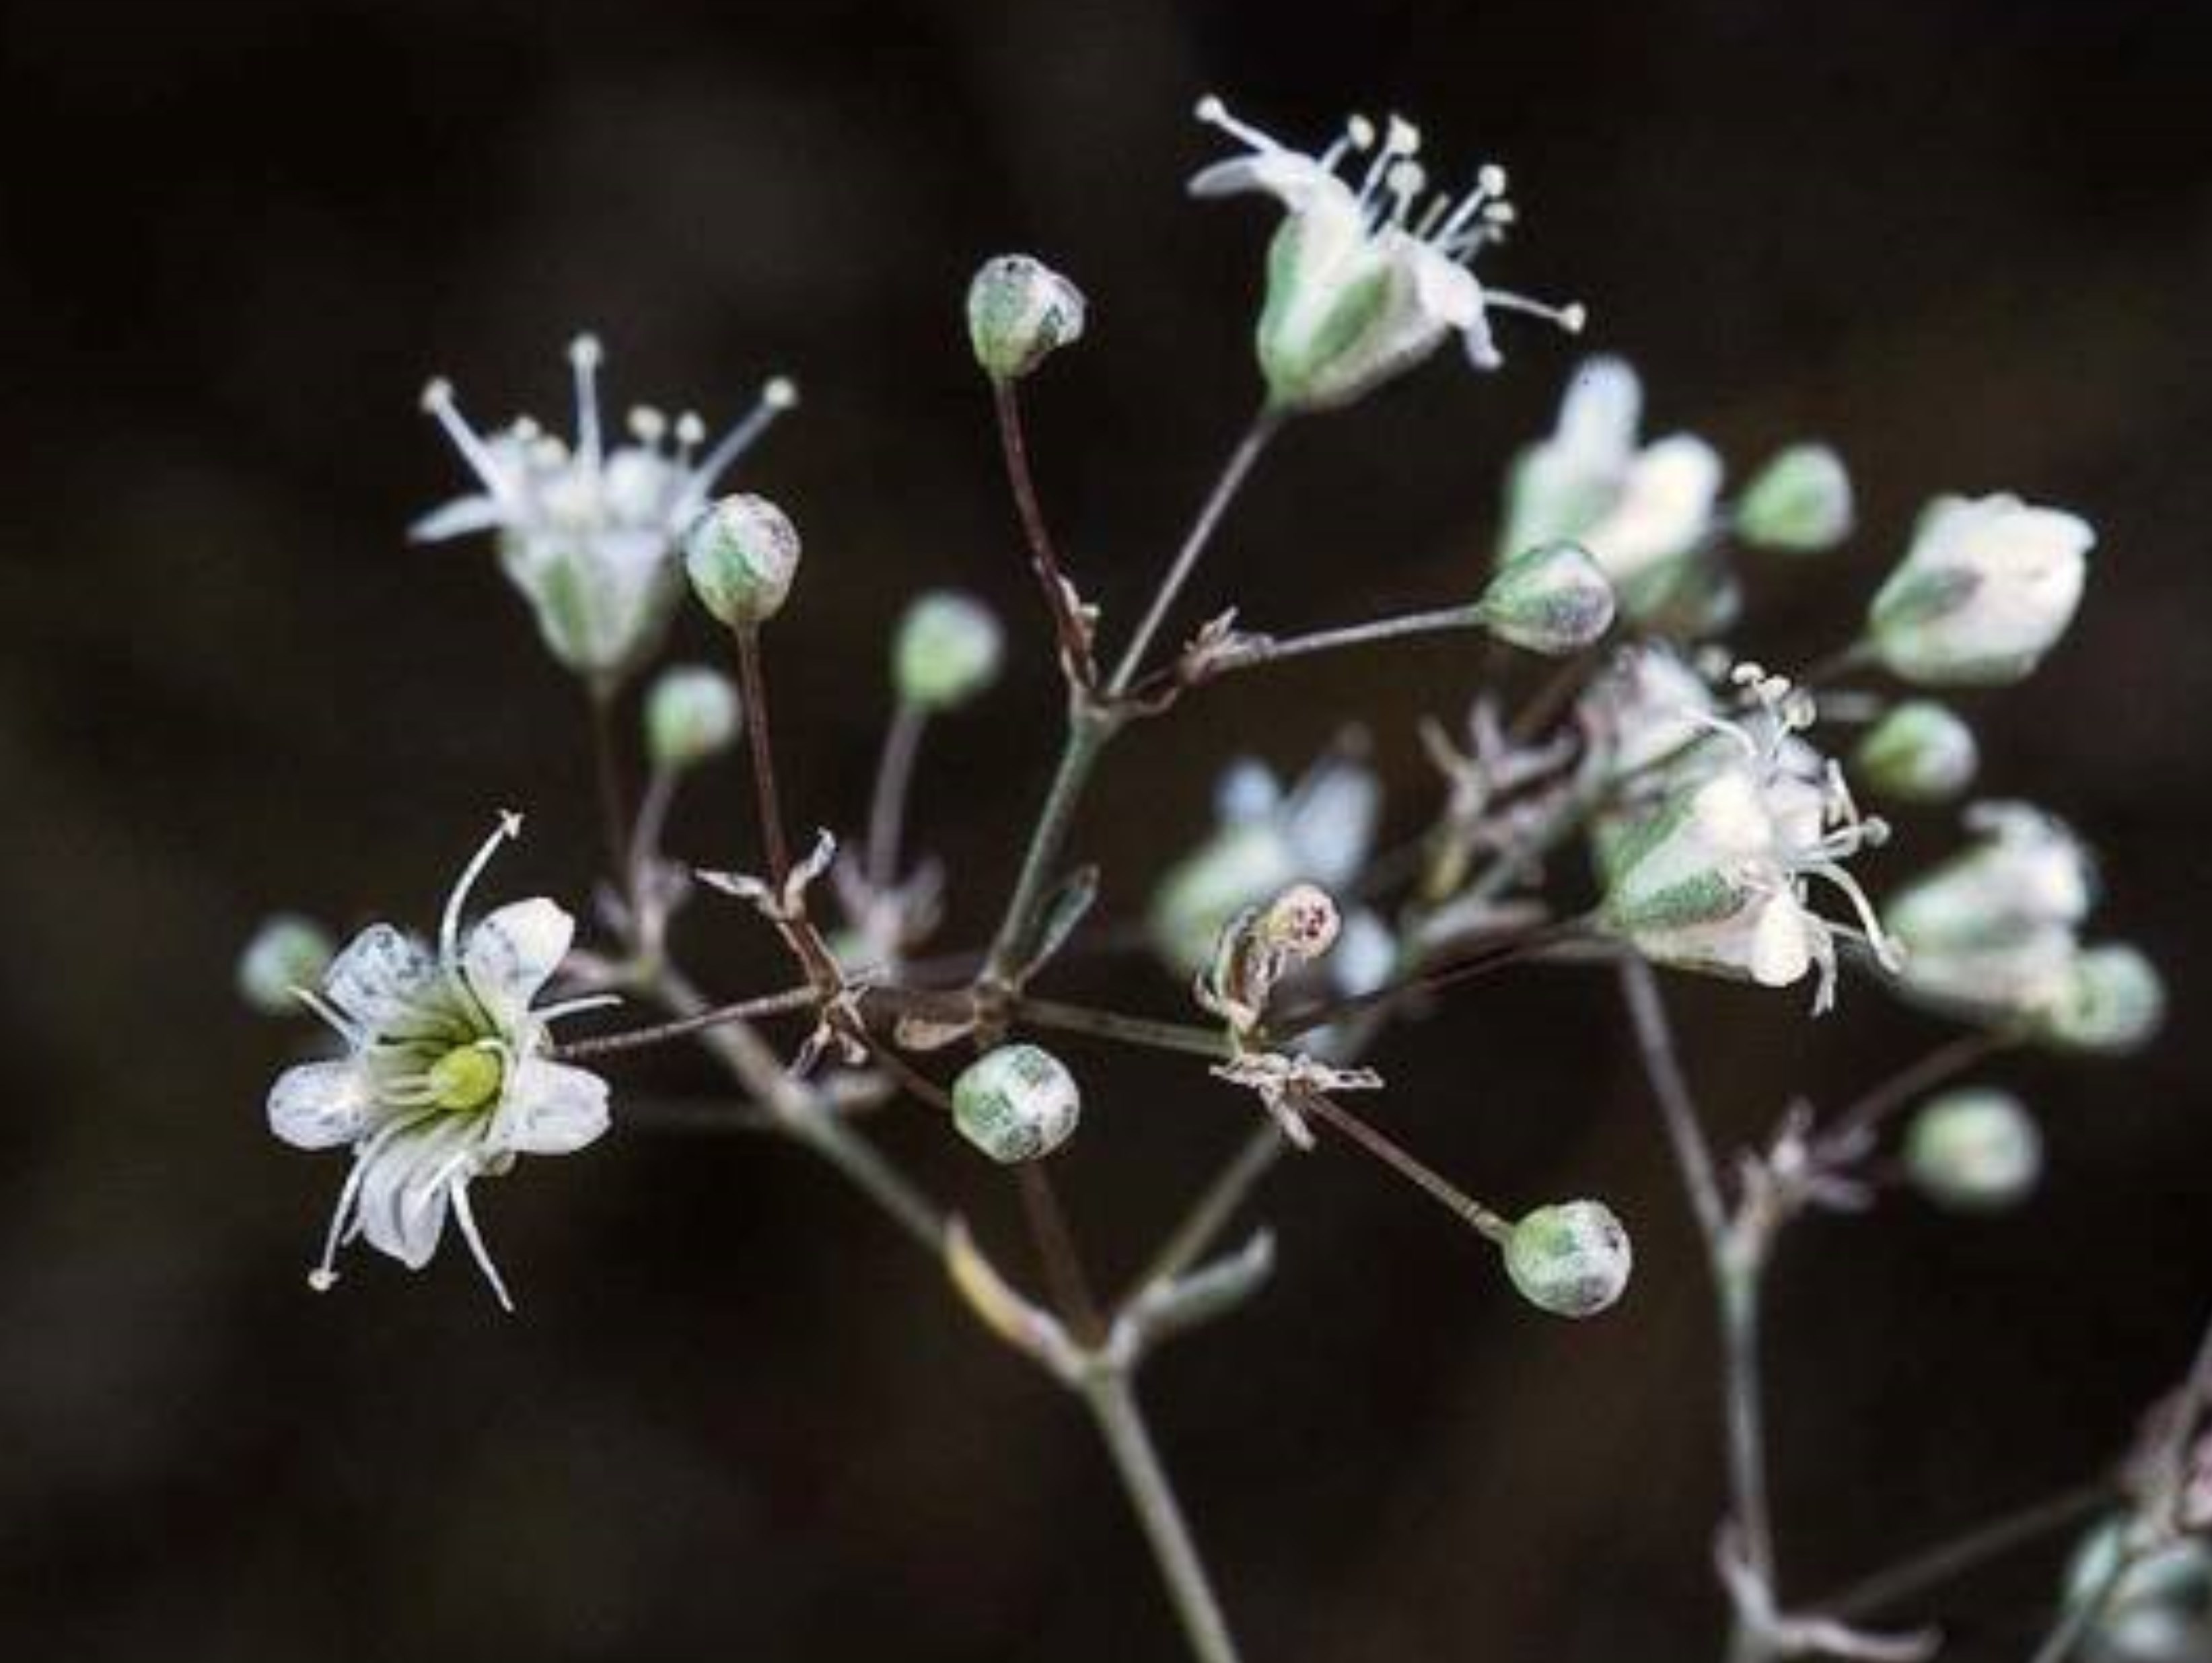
{"x":1211,"y":1213}
{"x":1440,"y":621}
{"x":1087,"y":735}
{"x":894,"y":778}
{"x":753,"y":680}
{"x":1954,"y":1558}
{"x":606,"y":771}
{"x":1044,"y":559}
{"x":637,"y":1039}
{"x":1113,"y":1025}
{"x":1112,"y":1403}
{"x":1430,"y":1182}
{"x":1903,"y":1089}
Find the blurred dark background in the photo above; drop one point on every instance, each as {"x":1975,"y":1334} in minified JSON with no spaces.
{"x":1968,"y":243}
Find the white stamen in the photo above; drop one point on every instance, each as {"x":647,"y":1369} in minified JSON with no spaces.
{"x":449,"y":927}
{"x":584,"y":354}
{"x":465,"y":1217}
{"x":570,"y":1007}
{"x":438,"y":401}
{"x":1214,"y":113}
{"x":1571,"y":318}
{"x":777,"y":396}
{"x":647,"y":425}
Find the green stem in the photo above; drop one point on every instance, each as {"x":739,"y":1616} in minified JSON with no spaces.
{"x":1441,"y":621}
{"x":894,"y":779}
{"x":1113,"y":1025}
{"x":1211,"y":1213}
{"x":1087,"y":735}
{"x":1112,"y":1403}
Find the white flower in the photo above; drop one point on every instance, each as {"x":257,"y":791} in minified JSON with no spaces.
{"x":443,"y":1080}
{"x":1645,"y":512}
{"x":1365,"y":281}
{"x":1716,"y":878}
{"x":588,"y":533}
{"x":1987,"y":587}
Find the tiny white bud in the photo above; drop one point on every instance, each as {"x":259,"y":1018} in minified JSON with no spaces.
{"x":1019,"y":312}
{"x":2110,"y":1000}
{"x":947,"y":651}
{"x":1016,"y":1104}
{"x":1919,"y":752}
{"x":1800,"y":502}
{"x":1553,"y":598}
{"x":1987,"y":588}
{"x":1572,"y":1259}
{"x":286,"y":952}
{"x":1976,"y":1149}
{"x":742,"y":554}
{"x":691,"y":713}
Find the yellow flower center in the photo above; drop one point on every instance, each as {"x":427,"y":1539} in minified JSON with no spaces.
{"x":468,"y":1076}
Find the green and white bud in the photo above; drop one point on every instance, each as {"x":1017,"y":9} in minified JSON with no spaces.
{"x":2159,"y":1610}
{"x":1800,"y":502}
{"x":691,"y":713}
{"x":1977,"y":1149}
{"x":948,"y":651}
{"x":2110,"y":1000}
{"x":1920,"y":752}
{"x":742,"y":555}
{"x":288,"y":951}
{"x":1571,"y":1259}
{"x":1020,"y":312}
{"x":1987,"y":588}
{"x":1553,"y":598}
{"x":1016,"y":1103}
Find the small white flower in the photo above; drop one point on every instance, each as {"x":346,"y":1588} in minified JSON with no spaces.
{"x":1364,"y":281}
{"x":443,"y":1081}
{"x":1986,"y":589}
{"x":1716,"y":878}
{"x":588,"y":533}
{"x":1644,"y":513}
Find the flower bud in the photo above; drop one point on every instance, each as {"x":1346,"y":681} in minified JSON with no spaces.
{"x":2110,"y":1000}
{"x":1987,"y":588}
{"x":1016,"y":1104}
{"x":2158,"y":1610}
{"x":948,"y":651}
{"x":1920,"y":752}
{"x":742,"y":555}
{"x":1976,"y":1149}
{"x":288,"y":951}
{"x":1301,"y":924}
{"x":1553,"y":598}
{"x":1019,"y":312}
{"x":1571,"y":1259}
{"x":691,"y":713}
{"x":1800,"y":501}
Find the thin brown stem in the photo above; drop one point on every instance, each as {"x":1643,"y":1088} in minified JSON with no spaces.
{"x":606,"y":773}
{"x":1210,"y":1214}
{"x":894,"y":779}
{"x":1678,"y":1111}
{"x":1057,"y":1253}
{"x":1431,"y":1183}
{"x":1044,"y":559}
{"x":753,"y":682}
{"x":1533,"y":944}
{"x":1144,"y":1031}
{"x":1448,"y":620}
{"x":1949,"y":1560}
{"x":638,"y":1039}
{"x":1908,"y":1085}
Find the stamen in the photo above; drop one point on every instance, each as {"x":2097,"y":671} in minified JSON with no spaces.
{"x":465,"y":1217}
{"x":584,"y":355}
{"x":345,"y":1028}
{"x":449,"y":927}
{"x":690,"y":432}
{"x":777,"y":396}
{"x":1405,"y":182}
{"x":572,"y":1007}
{"x":438,"y":402}
{"x":647,"y":425}
{"x":1214,"y":113}
{"x":1569,"y":318}
{"x":1885,"y":947}
{"x":1489,"y":189}
{"x":324,"y":1276}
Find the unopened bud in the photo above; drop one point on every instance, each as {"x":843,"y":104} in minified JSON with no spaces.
{"x":742,"y":555}
{"x":1976,"y":1149}
{"x":288,"y":951}
{"x":1571,"y":1259}
{"x":948,"y":650}
{"x":1301,"y":924}
{"x":1016,"y":1104}
{"x":2110,"y":1000}
{"x":1553,"y":598}
{"x":1019,"y":312}
{"x":1920,"y":752}
{"x":1800,"y":501}
{"x":691,"y":713}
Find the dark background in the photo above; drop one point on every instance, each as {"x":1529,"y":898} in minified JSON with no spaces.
{"x":737,"y":1417}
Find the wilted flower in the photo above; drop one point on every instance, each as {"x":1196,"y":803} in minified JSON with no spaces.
{"x":287,"y":953}
{"x":1989,"y":584}
{"x":1919,"y":752}
{"x":1715,"y":877}
{"x":1016,"y":1104}
{"x":1571,"y":1259}
{"x":588,"y":534}
{"x":1020,"y":311}
{"x":443,"y":1082}
{"x":1975,"y":1148}
{"x":1363,"y":282}
{"x":947,"y":650}
{"x":1645,"y":512}
{"x":691,"y":713}
{"x":1800,"y":501}
{"x":1552,"y":598}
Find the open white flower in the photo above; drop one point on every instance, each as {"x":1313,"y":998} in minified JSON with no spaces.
{"x":442,"y":1082}
{"x":588,"y":533}
{"x":1716,"y":878}
{"x":1366,"y":281}
{"x":1645,"y":512}
{"x":1987,"y":588}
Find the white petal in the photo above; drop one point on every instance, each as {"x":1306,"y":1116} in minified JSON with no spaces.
{"x":1329,"y":821}
{"x":1599,"y":415}
{"x":513,"y":952}
{"x":406,"y":1187}
{"x":551,"y":1109}
{"x":1445,"y":289}
{"x":1781,"y":947}
{"x":381,"y":977}
{"x":320,"y":1105}
{"x":1296,"y":181}
{"x":1247,"y":790}
{"x":458,"y":517}
{"x":1666,"y":506}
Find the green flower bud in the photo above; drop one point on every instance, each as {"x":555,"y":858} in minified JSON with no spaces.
{"x":1976,"y":1149}
{"x":691,"y":713}
{"x":1553,"y":598}
{"x":1920,"y":752}
{"x":288,"y":951}
{"x":1571,"y":1259}
{"x":1800,"y":501}
{"x":948,"y":651}
{"x":1019,"y":312}
{"x":1016,"y":1103}
{"x":2110,"y":1001}
{"x":742,"y":554}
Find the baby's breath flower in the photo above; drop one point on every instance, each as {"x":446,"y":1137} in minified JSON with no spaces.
{"x":948,"y":651}
{"x":1919,"y":752}
{"x":1975,"y":1148}
{"x":1016,"y":1103}
{"x":443,"y":1081}
{"x":1364,"y":281}
{"x":1800,"y":502}
{"x":691,"y":713}
{"x":287,"y":953}
{"x":1645,"y":512}
{"x":1019,"y":312}
{"x":1572,"y":1259}
{"x":1988,"y":586}
{"x":1715,"y":878}
{"x":1553,"y":598}
{"x":588,"y":531}
{"x":742,"y":555}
